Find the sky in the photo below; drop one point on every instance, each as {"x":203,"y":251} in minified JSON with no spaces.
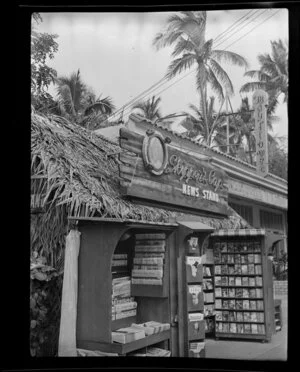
{"x":116,"y":58}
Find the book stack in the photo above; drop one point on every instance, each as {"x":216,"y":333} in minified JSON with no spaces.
{"x":123,"y":304}
{"x":152,"y":352}
{"x":119,"y":264}
{"x":195,"y":348}
{"x":148,"y":262}
{"x":195,"y":317}
{"x":157,"y":352}
{"x":151,"y":327}
{"x":239,"y":305}
{"x":127,"y":334}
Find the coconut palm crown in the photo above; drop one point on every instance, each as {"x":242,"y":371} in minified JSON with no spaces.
{"x":186,"y":31}
{"x":149,"y":108}
{"x":79,"y":104}
{"x":272,"y":75}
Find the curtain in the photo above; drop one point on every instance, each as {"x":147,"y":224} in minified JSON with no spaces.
{"x":67,"y":332}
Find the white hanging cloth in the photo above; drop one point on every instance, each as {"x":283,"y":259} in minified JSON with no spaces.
{"x":67,"y":332}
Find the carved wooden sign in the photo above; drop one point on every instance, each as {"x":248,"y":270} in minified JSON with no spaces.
{"x":260,"y":101}
{"x":164,"y":174}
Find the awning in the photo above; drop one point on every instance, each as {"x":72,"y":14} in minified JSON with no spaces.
{"x":196,"y":225}
{"x":239,"y":232}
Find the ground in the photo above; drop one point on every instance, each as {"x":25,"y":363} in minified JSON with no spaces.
{"x":276,"y":349}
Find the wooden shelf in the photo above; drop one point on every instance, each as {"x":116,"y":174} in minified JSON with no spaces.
{"x":239,"y":322}
{"x":248,"y":252}
{"x":241,"y":335}
{"x":239,"y":286}
{"x":238,"y":275}
{"x":125,"y":348}
{"x":246,"y":310}
{"x":239,"y":298}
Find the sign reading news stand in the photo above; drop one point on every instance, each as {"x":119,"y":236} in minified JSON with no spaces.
{"x":162,"y":173}
{"x":260,"y":101}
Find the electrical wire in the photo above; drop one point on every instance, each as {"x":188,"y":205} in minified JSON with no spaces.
{"x":159,"y":83}
{"x":162,"y":81}
{"x":233,"y":26}
{"x":246,"y":24}
{"x":272,"y":15}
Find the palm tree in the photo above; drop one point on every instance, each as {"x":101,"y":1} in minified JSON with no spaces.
{"x":186,"y":31}
{"x":272,"y":75}
{"x":79,"y":104}
{"x":213,"y":134}
{"x":244,"y":125}
{"x":150,"y":108}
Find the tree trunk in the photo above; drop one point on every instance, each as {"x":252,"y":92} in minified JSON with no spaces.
{"x":249,"y":149}
{"x":203,"y":99}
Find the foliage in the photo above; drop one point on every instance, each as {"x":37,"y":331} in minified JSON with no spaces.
{"x":272,"y":75}
{"x":280,"y":266}
{"x":186,"y":31}
{"x":43,"y":47}
{"x":79,"y":104}
{"x":150,"y":108}
{"x":45,"y":298}
{"x":278,"y":160}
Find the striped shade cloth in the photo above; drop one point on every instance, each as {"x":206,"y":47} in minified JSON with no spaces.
{"x":239,"y":232}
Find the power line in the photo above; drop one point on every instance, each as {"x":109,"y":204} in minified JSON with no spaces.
{"x":140,"y":96}
{"x":223,"y":49}
{"x":158,"y":84}
{"x":272,"y":15}
{"x":233,"y":26}
{"x":161,"y":82}
{"x":246,"y":24}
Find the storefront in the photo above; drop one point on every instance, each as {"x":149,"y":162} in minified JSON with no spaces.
{"x":154,"y":287}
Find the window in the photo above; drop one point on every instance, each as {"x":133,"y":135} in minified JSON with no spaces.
{"x":244,"y":211}
{"x":270,"y":220}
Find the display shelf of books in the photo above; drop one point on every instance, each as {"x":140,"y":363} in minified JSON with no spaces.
{"x":111,"y":317}
{"x":238,"y":287}
{"x":195,"y":303}
{"x":150,"y":265}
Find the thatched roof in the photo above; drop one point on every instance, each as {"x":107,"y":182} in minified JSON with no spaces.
{"x":75,"y":168}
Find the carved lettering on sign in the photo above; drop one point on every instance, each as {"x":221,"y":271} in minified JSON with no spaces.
{"x":165,"y":174}
{"x":260,"y":100}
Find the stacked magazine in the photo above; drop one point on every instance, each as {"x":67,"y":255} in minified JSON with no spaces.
{"x":138,"y":331}
{"x":123,"y":304}
{"x":148,"y":262}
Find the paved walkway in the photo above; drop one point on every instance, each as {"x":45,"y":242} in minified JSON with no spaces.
{"x":274,"y":350}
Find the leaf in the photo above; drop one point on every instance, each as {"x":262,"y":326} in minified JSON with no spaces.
{"x":40,"y":276}
{"x":33,"y":324}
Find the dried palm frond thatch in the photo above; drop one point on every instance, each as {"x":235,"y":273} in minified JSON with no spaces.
{"x":75,"y":172}
{"x":73,"y":167}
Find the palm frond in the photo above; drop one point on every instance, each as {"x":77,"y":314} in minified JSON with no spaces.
{"x":162,"y":40}
{"x":180,"y":64}
{"x":230,"y":57}
{"x":183,"y":45}
{"x":221,"y":76}
{"x":257,"y":74}
{"x":215,"y":85}
{"x":201,"y":77}
{"x":251,"y":86}
{"x":104,"y":106}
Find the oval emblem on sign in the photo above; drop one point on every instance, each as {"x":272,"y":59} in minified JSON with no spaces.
{"x":155,"y":153}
